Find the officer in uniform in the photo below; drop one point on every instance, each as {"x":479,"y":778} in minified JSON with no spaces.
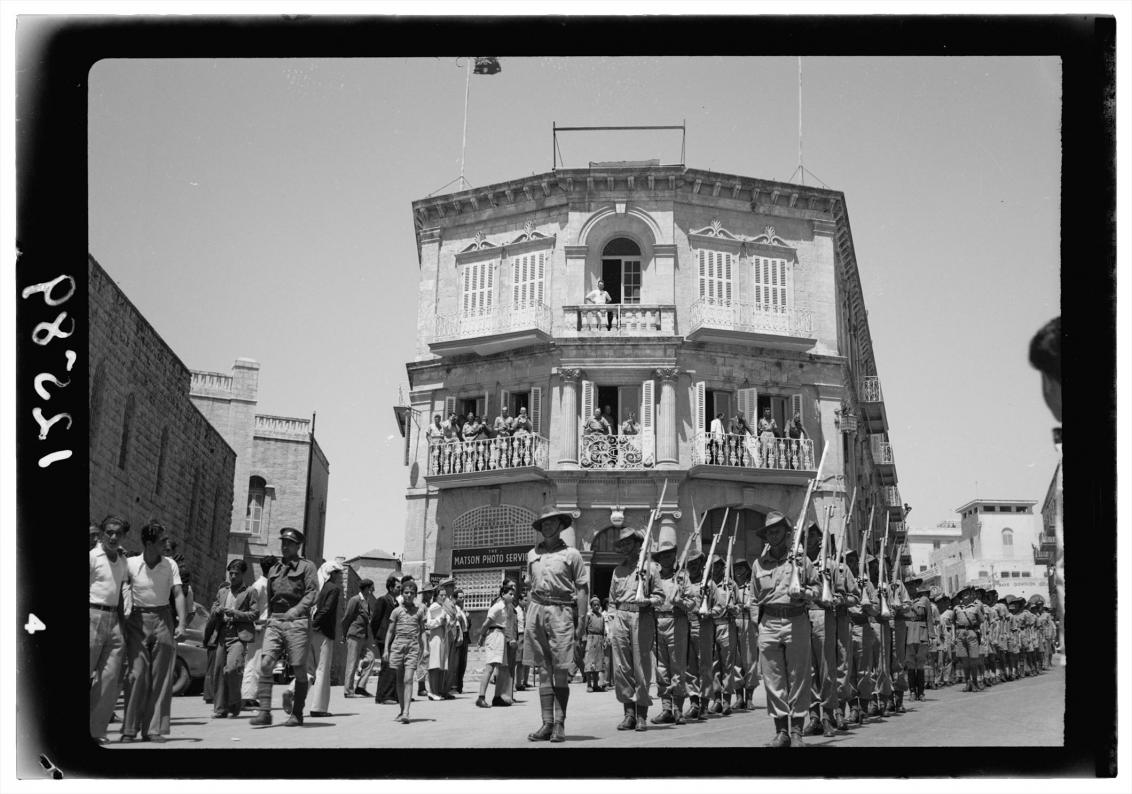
{"x":918,"y":643}
{"x":823,"y":647}
{"x":991,"y":670}
{"x":967,"y":618}
{"x":933,"y":670}
{"x":696,"y":588}
{"x":746,"y":635}
{"x":784,"y":629}
{"x":846,"y":594}
{"x":1014,"y":645}
{"x":723,"y":613}
{"x":862,"y":673}
{"x":292,"y":587}
{"x":1030,"y":632}
{"x":633,"y":629}
{"x":559,"y":592}
{"x":671,"y":633}
{"x":985,"y":628}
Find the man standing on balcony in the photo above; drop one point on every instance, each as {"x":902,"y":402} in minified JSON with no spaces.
{"x":717,"y":440}
{"x":741,"y":436}
{"x":503,"y":427}
{"x":630,"y":427}
{"x":521,"y":430}
{"x":795,"y":432}
{"x":768,"y":432}
{"x":600,"y":297}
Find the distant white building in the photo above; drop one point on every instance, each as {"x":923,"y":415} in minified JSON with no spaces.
{"x":923,"y":541}
{"x":993,"y":549}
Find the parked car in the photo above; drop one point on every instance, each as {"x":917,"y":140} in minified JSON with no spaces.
{"x":192,"y":657}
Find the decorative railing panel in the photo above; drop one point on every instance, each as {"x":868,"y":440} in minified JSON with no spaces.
{"x":600,"y":451}
{"x":489,"y":454}
{"x":892,"y":496}
{"x":870,"y":389}
{"x":750,"y":318}
{"x":882,"y":452}
{"x":496,"y":320}
{"x":752,"y":452}
{"x":619,"y":319}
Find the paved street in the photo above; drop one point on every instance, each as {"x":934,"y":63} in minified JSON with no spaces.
{"x":1020,"y":713}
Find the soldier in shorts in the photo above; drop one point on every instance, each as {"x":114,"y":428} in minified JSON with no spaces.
{"x":559,"y":593}
{"x":671,"y":634}
{"x":633,"y":629}
{"x":701,"y":635}
{"x":918,"y":641}
{"x":862,"y":673}
{"x":945,"y":639}
{"x":747,"y":635}
{"x":966,"y":645}
{"x":823,"y":649}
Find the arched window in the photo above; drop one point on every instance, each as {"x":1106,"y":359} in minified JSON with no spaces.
{"x":621,"y":270}
{"x":1008,"y":542}
{"x":257,"y":494}
{"x":127,"y":424}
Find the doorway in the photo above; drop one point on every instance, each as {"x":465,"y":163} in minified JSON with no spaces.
{"x":621,"y":270}
{"x":603,"y":562}
{"x":607,"y":396}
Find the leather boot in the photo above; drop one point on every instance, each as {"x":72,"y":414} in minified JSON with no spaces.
{"x":855,"y":715}
{"x":882,"y":710}
{"x":726,"y":709}
{"x":678,"y":711}
{"x":542,"y":734}
{"x":693,"y":712}
{"x":813,"y":725}
{"x":629,"y":721}
{"x":899,"y":709}
{"x":557,"y":733}
{"x":703,"y":709}
{"x":781,"y":737}
{"x":827,"y":728}
{"x":642,"y":718}
{"x":796,"y":732}
{"x":665,"y":717}
{"x":839,"y":716}
{"x":874,"y":710}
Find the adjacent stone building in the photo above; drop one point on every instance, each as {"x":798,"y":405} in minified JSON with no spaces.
{"x":152,"y":453}
{"x":281,"y":476}
{"x":728,"y":294}
{"x":376,"y":565}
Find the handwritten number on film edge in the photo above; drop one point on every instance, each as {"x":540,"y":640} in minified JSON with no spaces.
{"x":45,"y":333}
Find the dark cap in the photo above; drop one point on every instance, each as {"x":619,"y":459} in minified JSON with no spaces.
{"x":447,"y":581}
{"x":364,"y":583}
{"x":290,"y":533}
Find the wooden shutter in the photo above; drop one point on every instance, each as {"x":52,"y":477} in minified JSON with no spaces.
{"x":771,"y":291}
{"x":449,"y":408}
{"x":699,"y":407}
{"x":648,"y":421}
{"x":540,"y":270}
{"x":589,"y":394}
{"x":715,"y":276}
{"x":749,"y":405}
{"x":796,"y":405}
{"x":527,"y":279}
{"x":478,"y":289}
{"x":536,"y":409}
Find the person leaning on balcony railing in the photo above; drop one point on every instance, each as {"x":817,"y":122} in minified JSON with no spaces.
{"x":715,"y":445}
{"x":600,"y":297}
{"x":502,"y":429}
{"x":768,"y":432}
{"x":795,"y":432}
{"x":742,"y":438}
{"x":521,"y":431}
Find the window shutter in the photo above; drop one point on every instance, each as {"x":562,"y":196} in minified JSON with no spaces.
{"x":726,"y":276}
{"x":515,"y":280}
{"x":489,"y":287}
{"x":539,"y":277}
{"x":536,"y":409}
{"x":699,"y":407}
{"x":648,"y":421}
{"x":504,"y":401}
{"x":796,"y":405}
{"x":588,"y":396}
{"x":449,"y":408}
{"x":749,"y":405}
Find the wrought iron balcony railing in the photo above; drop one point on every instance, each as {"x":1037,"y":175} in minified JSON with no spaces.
{"x":618,"y":319}
{"x":496,"y":320}
{"x":601,"y":451}
{"x":892,"y":496}
{"x":882,"y":452}
{"x":870,"y":389}
{"x":752,"y":452}
{"x":489,"y":454}
{"x":749,"y":317}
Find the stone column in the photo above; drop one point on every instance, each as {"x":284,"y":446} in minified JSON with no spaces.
{"x":569,"y":416}
{"x":667,"y":455}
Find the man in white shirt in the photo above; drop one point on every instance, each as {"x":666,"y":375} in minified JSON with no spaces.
{"x":151,"y":637}
{"x":250,"y":684}
{"x":717,"y":432}
{"x":599,"y":295}
{"x":109,"y":585}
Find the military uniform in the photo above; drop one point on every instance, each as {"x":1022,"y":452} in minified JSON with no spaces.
{"x":823,"y":657}
{"x":900,"y":603}
{"x":701,"y":638}
{"x":968,"y":618}
{"x":292,"y":588}
{"x":746,"y":640}
{"x":633,"y":635}
{"x":783,"y":633}
{"x":723,"y":672}
{"x":918,"y":640}
{"x":671,"y":642}
{"x":1002,"y":639}
{"x":862,"y":672}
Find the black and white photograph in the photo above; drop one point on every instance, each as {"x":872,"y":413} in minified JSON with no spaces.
{"x":547,"y":399}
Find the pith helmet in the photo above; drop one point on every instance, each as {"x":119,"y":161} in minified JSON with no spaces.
{"x":550,"y":511}
{"x":666,"y":539}
{"x":773,"y":518}
{"x":665,"y":545}
{"x":630,"y":532}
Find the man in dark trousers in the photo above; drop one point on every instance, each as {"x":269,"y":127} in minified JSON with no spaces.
{"x":379,"y":623}
{"x":359,"y":648}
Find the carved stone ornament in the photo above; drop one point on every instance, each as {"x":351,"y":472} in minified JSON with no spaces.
{"x":569,"y":374}
{"x":479,"y":243}
{"x":668,"y":373}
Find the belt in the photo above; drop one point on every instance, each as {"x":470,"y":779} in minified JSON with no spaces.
{"x":280,"y":616}
{"x":164,"y":608}
{"x":633,"y":607}
{"x":596,"y":633}
{"x":104,"y":608}
{"x":782,"y":611}
{"x":546,"y":602}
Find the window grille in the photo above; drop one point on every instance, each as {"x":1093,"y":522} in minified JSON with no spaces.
{"x":480,"y":587}
{"x":501,"y":525}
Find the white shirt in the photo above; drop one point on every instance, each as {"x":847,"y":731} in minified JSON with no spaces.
{"x":106,"y":577}
{"x":152,"y":586}
{"x":598,"y":296}
{"x":259,"y":587}
{"x":717,"y":427}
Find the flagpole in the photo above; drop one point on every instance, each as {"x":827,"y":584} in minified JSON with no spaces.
{"x":464,"y":140}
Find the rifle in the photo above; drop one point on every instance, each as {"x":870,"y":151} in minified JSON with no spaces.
{"x":704,"y":609}
{"x":844,"y":528}
{"x":643,"y":560}
{"x":862,"y":570}
{"x":681,"y":566}
{"x":823,"y":562}
{"x":730,"y":547}
{"x":795,"y":583}
{"x":882,"y":579}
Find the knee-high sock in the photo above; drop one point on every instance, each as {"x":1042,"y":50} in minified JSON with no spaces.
{"x":561,"y":698}
{"x":546,"y":702}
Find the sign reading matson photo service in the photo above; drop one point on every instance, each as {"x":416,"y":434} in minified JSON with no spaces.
{"x":490,"y":557}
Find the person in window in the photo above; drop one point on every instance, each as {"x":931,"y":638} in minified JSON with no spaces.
{"x":521,"y":430}
{"x":474,"y":430}
{"x":504,"y":426}
{"x":631,"y":427}
{"x":600,"y":297}
{"x":795,"y":432}
{"x":451,"y":430}
{"x":768,"y":431}
{"x":741,"y":436}
{"x":717,"y":440}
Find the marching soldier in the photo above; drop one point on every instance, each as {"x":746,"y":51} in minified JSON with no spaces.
{"x":671,"y":634}
{"x":559,"y":594}
{"x":900,"y":603}
{"x":846,"y":594}
{"x":747,"y":635}
{"x":633,"y":630}
{"x":823,"y":649}
{"x":723,"y":612}
{"x":934,"y":669}
{"x":862,"y":673}
{"x":698,"y":590}
{"x":880,"y":636}
{"x":1015,"y":604}
{"x":992,"y":673}
{"x":946,"y":638}
{"x":784,"y":629}
{"x":966,"y":647}
{"x":1049,"y":632}
{"x":1030,"y":632}
{"x":919,"y":631}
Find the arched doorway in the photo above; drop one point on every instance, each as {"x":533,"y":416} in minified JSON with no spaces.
{"x":603,"y":561}
{"x":621,"y":270}
{"x":748,"y":546}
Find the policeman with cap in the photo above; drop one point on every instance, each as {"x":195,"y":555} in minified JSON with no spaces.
{"x":696,"y":590}
{"x":784,"y":629}
{"x":633,"y":628}
{"x":723,"y":612}
{"x":671,"y":650}
{"x":746,"y":634}
{"x":292,"y":587}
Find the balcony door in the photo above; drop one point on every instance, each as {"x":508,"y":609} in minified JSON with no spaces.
{"x":621,"y":270}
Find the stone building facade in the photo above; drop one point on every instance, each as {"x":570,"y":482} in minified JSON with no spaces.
{"x":153,"y":454}
{"x":728,"y":294}
{"x":281,"y":476}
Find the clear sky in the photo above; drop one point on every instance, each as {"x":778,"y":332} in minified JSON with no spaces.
{"x":261,"y":208}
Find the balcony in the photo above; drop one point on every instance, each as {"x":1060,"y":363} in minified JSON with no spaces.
{"x":872,"y":405}
{"x":1043,"y":556}
{"x":746,"y":458}
{"x":486,"y":461}
{"x":885,"y":463}
{"x":599,"y":451}
{"x":617,"y":320}
{"x":893,"y":502}
{"x":492,"y":331}
{"x":740,"y":321}
{"x":898,"y":530}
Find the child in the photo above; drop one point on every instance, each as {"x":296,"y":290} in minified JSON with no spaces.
{"x":405,"y":642}
{"x":494,"y":637}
